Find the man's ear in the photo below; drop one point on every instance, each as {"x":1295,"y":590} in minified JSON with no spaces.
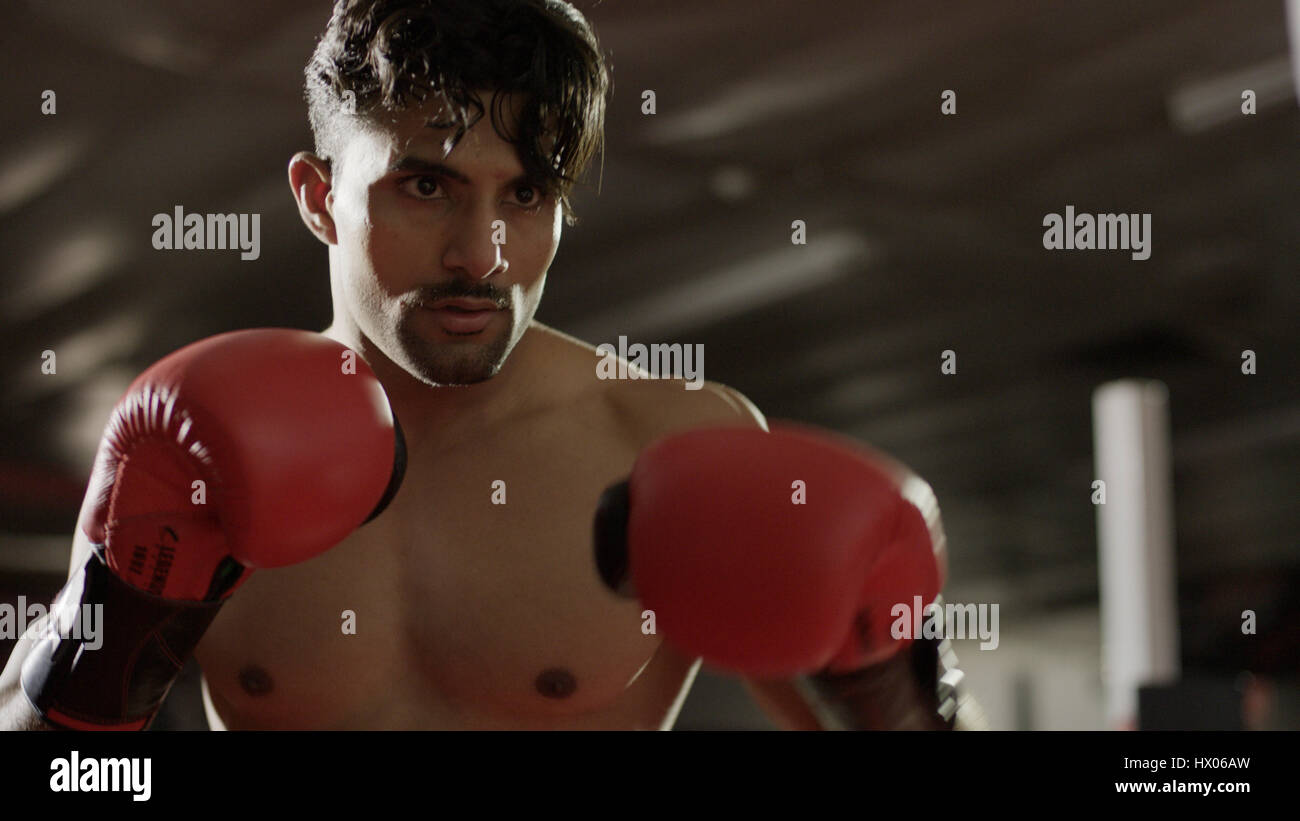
{"x":311,"y":180}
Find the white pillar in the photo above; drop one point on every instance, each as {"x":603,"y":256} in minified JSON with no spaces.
{"x":1139,"y":604}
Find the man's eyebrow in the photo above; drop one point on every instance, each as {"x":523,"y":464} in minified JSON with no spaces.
{"x":417,"y":165}
{"x":423,"y":166}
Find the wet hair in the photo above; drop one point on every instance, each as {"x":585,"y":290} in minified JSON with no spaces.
{"x":380,"y":57}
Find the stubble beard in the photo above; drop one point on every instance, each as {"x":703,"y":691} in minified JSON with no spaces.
{"x":441,"y":364}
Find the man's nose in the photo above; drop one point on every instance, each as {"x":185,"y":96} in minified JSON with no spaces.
{"x":472,"y":250}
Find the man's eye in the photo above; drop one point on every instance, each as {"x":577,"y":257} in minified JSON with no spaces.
{"x":423,"y":187}
{"x":528,"y":195}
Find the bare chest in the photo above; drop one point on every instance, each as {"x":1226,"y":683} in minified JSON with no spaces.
{"x":472,"y":602}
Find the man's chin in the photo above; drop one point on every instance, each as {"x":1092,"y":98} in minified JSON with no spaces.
{"x":441,"y":370}
{"x":454,"y":363}
{"x":460,"y":379}
{"x":439,"y":358}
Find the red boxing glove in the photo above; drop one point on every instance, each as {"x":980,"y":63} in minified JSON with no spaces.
{"x":294,"y":445}
{"x":772,"y":554}
{"x":251,"y":449}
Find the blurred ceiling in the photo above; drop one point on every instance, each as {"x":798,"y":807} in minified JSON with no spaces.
{"x":924,"y":235}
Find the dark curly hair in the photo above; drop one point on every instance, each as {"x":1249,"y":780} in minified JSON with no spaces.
{"x":391,"y":54}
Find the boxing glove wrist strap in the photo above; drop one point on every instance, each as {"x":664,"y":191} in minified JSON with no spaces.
{"x":110,"y":651}
{"x":918,"y":689}
{"x":884,"y":696}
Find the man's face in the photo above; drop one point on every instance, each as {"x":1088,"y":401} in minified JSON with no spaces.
{"x":415,"y":228}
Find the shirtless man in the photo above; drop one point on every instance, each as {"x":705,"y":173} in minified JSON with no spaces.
{"x":469,"y":613}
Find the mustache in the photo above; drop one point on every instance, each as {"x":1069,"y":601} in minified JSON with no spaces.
{"x":428,"y":294}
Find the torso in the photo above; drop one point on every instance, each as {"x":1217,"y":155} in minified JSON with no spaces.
{"x":470,"y":614}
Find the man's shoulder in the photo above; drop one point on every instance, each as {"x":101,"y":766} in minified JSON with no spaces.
{"x":662,"y":406}
{"x":651,"y":408}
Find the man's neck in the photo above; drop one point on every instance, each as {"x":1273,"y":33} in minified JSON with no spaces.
{"x":451,"y":412}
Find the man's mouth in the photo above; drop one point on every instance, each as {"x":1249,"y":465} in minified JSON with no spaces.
{"x":463,"y":317}
{"x":465,"y":304}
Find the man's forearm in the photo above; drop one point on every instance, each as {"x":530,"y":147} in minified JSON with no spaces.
{"x":16,"y":712}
